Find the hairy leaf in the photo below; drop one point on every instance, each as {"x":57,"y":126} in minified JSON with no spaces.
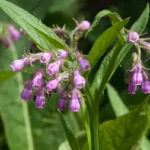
{"x":114,"y":18}
{"x":4,"y":75}
{"x":125,"y":132}
{"x":104,"y":41}
{"x":39,"y":33}
{"x":120,"y":109}
{"x":69,"y":133}
{"x":81,"y":137}
{"x":116,"y":102}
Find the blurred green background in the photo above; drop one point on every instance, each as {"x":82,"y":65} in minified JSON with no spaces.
{"x":46,"y":126}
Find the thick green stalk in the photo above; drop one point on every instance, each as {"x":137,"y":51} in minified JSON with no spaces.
{"x":94,"y":126}
{"x":93,"y":112}
{"x":86,"y":119}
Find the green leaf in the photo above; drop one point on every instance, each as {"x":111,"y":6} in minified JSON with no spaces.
{"x":4,"y":75}
{"x":114,"y":17}
{"x":125,"y":132}
{"x":65,"y":146}
{"x":70,"y":135}
{"x":82,"y":140}
{"x":115,"y":56}
{"x":37,"y":8}
{"x":116,"y":102}
{"x":39,"y":33}
{"x":104,"y":41}
{"x":120,"y":109}
{"x":13,"y":111}
{"x":105,"y":71}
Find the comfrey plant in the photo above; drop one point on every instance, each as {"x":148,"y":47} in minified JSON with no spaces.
{"x":59,"y":67}
{"x":62,"y":72}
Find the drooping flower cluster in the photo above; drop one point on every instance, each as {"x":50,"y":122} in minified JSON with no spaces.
{"x":7,"y":34}
{"x":60,"y":70}
{"x":138,"y":75}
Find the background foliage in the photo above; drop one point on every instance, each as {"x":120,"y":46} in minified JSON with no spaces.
{"x":46,"y":129}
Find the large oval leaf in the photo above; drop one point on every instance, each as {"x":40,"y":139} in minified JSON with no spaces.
{"x":114,"y":18}
{"x":120,"y":109}
{"x":125,"y":132}
{"x":104,"y":41}
{"x":39,"y":33}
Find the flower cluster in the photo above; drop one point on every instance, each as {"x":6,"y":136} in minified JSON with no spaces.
{"x":138,"y":75}
{"x":60,"y":70}
{"x":7,"y":34}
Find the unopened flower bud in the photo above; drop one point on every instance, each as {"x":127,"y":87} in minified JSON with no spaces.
{"x":84,"y":25}
{"x":17,"y":65}
{"x":26,"y":61}
{"x":53,"y":68}
{"x":14,"y":32}
{"x":39,"y":99}
{"x":45,"y":57}
{"x":133,"y":37}
{"x":61,"y":104}
{"x":37,"y":80}
{"x":84,"y":64}
{"x":79,"y":80}
{"x":61,"y":54}
{"x":145,"y":86}
{"x":26,"y":93}
{"x":52,"y":84}
{"x":74,"y":103}
{"x":132,"y":88}
{"x":60,"y":32}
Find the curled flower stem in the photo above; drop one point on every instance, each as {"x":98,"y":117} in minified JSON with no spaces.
{"x":73,"y":42}
{"x":139,"y":52}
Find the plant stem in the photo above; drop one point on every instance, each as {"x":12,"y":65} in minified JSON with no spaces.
{"x":93,"y":112}
{"x":94,"y":125}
